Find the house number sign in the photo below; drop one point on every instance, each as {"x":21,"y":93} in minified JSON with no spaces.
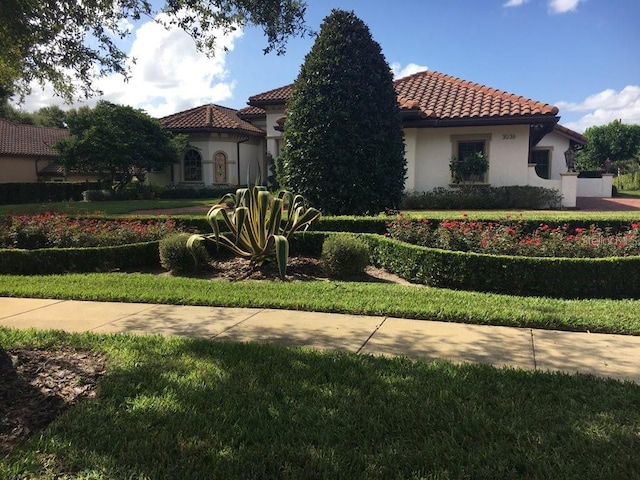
{"x":509,"y":136}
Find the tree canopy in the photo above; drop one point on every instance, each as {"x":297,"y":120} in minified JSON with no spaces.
{"x":616,"y":141}
{"x":343,"y":140}
{"x":70,"y":43}
{"x":116,"y":142}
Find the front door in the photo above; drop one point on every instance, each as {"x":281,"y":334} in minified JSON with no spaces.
{"x":220,"y":162}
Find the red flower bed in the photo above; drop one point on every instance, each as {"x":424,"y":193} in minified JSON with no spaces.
{"x":49,"y":230}
{"x":509,"y":238}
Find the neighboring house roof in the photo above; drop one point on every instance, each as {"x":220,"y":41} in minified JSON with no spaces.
{"x":570,"y":134}
{"x":29,"y":140}
{"x":210,"y":118}
{"x":433,"y":98}
{"x":277,"y":96}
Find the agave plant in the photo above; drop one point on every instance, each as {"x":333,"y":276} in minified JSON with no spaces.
{"x":257,"y":227}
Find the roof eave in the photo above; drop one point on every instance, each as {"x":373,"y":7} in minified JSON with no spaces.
{"x":480,"y":121}
{"x":235,"y":131}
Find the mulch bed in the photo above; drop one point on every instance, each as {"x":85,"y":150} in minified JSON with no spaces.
{"x":41,"y":385}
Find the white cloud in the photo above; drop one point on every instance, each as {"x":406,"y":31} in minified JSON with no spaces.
{"x":169,"y":74}
{"x":555,"y":6}
{"x":604,"y":107}
{"x":514,"y":3}
{"x":409,"y":69}
{"x":563,"y":6}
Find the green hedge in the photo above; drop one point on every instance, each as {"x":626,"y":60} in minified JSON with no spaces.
{"x":14,"y":193}
{"x":613,"y":278}
{"x":46,"y":261}
{"x":616,"y":278}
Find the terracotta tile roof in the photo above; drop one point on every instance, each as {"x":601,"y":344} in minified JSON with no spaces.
{"x":251,"y":112}
{"x":439,"y":96}
{"x":432,"y":95}
{"x":579,"y":138}
{"x":209,"y":117}
{"x":272,"y":97}
{"x":29,"y":140}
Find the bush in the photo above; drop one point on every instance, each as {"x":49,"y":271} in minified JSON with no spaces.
{"x":48,"y":230}
{"x":97,"y":195}
{"x":46,"y":261}
{"x":511,"y":275}
{"x":482,"y":197}
{"x":176,"y":257}
{"x":16,"y":193}
{"x":344,"y":255}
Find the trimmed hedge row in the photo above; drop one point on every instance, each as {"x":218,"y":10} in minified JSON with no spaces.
{"x":14,"y":193}
{"x":47,"y":261}
{"x":615,"y":278}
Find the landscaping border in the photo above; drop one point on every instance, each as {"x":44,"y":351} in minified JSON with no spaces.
{"x":45,"y":261}
{"x":571,"y":278}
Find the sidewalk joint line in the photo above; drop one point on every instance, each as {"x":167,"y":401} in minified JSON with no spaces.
{"x":533,"y":349}
{"x":36,"y":308}
{"x":151,"y":307}
{"x":375,"y":330}
{"x":237,"y":323}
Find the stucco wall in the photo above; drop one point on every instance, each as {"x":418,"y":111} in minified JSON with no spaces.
{"x":508,"y":150}
{"x":558,"y":144}
{"x":19,"y":169}
{"x":252,"y":154}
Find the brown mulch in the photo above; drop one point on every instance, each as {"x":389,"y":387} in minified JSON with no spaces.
{"x":41,"y":385}
{"x":299,"y":268}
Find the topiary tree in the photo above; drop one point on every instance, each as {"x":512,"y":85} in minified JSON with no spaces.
{"x":343,"y":140}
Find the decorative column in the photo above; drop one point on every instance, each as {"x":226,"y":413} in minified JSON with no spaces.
{"x":569,"y":189}
{"x":607,"y":184}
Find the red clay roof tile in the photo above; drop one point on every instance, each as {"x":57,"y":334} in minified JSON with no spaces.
{"x":209,"y":116}
{"x":436,"y":95}
{"x":29,"y":140}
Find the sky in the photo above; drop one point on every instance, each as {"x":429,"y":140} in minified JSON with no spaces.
{"x":581,"y":55}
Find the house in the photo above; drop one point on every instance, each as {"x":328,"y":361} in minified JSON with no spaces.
{"x":223,"y":148}
{"x":27,"y":154}
{"x":444,"y":118}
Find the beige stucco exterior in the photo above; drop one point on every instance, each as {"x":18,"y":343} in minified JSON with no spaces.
{"x":244,"y":158}
{"x":20,"y":169}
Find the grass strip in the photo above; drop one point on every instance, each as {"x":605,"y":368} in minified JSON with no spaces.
{"x":191,"y":409}
{"x":417,"y":302}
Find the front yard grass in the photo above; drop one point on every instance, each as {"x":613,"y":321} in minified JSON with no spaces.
{"x":115,"y":207}
{"x":419,"y":302}
{"x":194,"y":409}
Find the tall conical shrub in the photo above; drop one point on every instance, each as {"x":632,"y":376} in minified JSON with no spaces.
{"x":343,"y":141}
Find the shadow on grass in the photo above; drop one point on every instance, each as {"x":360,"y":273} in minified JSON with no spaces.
{"x":176,"y":408}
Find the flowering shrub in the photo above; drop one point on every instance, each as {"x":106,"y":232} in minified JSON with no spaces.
{"x":509,"y":238}
{"x":49,"y":230}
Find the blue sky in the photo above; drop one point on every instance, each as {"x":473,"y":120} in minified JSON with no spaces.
{"x":581,"y":55}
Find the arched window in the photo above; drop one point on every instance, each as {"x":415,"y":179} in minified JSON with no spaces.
{"x":192,"y":166}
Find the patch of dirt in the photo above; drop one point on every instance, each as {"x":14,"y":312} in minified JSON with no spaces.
{"x":41,"y":385}
{"x":299,"y":268}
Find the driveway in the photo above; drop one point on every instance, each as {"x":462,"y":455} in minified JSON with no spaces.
{"x":615,"y":204}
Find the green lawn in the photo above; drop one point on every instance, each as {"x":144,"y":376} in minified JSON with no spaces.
{"x":610,"y":316}
{"x":197,"y":409}
{"x":116,"y":207}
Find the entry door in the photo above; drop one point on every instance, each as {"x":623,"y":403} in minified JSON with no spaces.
{"x":221,"y":167}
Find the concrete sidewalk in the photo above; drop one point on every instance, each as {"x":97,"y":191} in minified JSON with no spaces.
{"x":616,"y":356}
